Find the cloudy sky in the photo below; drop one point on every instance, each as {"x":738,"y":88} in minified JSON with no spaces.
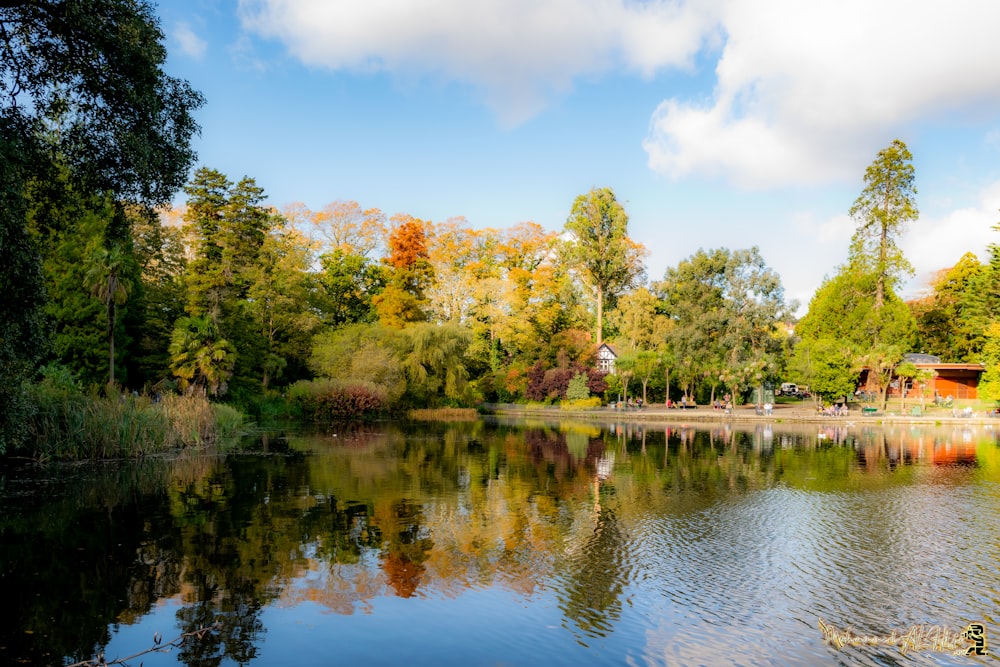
{"x":718,"y":123}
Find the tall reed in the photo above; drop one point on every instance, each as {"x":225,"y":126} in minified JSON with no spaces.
{"x":70,"y":425}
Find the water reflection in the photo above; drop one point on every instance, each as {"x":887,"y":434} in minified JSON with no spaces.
{"x":639,"y":543}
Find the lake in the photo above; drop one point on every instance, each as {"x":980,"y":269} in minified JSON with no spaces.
{"x":512,"y":542}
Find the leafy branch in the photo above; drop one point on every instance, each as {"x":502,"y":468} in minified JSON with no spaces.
{"x":157,"y":647}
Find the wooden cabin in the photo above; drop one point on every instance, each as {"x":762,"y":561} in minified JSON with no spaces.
{"x":960,"y":381}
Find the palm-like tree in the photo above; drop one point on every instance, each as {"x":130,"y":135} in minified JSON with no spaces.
{"x":199,"y":356}
{"x":106,"y":281}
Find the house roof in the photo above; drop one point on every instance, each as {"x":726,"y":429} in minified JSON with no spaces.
{"x":951,"y":367}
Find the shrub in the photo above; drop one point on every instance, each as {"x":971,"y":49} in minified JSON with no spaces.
{"x":327,"y":400}
{"x":577,"y":389}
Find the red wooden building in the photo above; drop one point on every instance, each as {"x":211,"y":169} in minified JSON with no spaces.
{"x":960,"y":381}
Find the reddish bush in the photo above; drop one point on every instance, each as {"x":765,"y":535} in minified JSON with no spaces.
{"x":551,"y":384}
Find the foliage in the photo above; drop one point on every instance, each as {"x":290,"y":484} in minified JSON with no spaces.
{"x":843,"y":308}
{"x":364,"y":353}
{"x":349,"y":283}
{"x":423,"y":364}
{"x":158,"y":298}
{"x":433,"y":361}
{"x":403,"y":301}
{"x":552,"y":384}
{"x":577,"y":389}
{"x":278,"y":303}
{"x":107,"y":279}
{"x":343,"y":226}
{"x":949,"y":325}
{"x":200,"y":356}
{"x":725,"y":307}
{"x":989,"y":384}
{"x":881,"y":362}
{"x":93,"y":72}
{"x":330,"y":400}
{"x":81,"y":84}
{"x":980,"y":302}
{"x":22,"y":340}
{"x":607,"y":260}
{"x":828,"y":366}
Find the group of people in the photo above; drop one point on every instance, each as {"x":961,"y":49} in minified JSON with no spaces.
{"x":835,"y":410}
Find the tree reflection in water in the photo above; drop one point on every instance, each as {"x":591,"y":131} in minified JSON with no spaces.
{"x":398,"y":511}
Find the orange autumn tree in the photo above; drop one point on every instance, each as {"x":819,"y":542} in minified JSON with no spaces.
{"x":403,"y":300}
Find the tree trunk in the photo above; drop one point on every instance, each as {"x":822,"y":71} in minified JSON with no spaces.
{"x":600,"y":315}
{"x":112,"y":317}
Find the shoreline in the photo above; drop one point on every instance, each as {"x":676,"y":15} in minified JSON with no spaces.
{"x":782,"y":414}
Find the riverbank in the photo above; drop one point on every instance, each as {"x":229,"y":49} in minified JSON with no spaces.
{"x":804,"y":412}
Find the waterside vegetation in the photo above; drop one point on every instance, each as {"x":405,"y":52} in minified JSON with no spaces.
{"x":227,"y":305}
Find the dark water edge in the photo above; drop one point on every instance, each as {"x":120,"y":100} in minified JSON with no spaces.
{"x":509,"y":542}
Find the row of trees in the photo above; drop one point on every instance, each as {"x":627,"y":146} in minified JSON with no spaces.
{"x":235,"y":298}
{"x":227,"y":295}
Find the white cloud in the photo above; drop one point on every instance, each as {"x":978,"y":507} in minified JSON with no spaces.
{"x":516,"y":54}
{"x":932,"y":244}
{"x":809,"y":91}
{"x":190,"y":43}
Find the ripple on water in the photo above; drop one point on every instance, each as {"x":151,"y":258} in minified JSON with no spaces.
{"x":768,"y":565}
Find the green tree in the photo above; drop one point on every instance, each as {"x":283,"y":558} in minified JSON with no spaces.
{"x":107,"y":279}
{"x":885,"y":205}
{"x":948,"y":324}
{"x":361,"y":353}
{"x":93,"y":72}
{"x":22,"y":339}
{"x":647,"y":363}
{"x":433,"y":359}
{"x":158,"y":296}
{"x":200,"y":356}
{"x":725,"y":307}
{"x":69,"y":226}
{"x":637,"y":321}
{"x":981,"y":302}
{"x":989,"y":384}
{"x":349,"y":282}
{"x":279,"y":299}
{"x":907,"y":373}
{"x":81,"y":82}
{"x":227,"y":225}
{"x":828,"y":366}
{"x":578,"y":388}
{"x":608,"y":261}
{"x":843,"y":308}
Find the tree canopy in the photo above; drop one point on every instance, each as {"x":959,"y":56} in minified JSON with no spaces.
{"x":885,"y":205}
{"x":600,"y":249}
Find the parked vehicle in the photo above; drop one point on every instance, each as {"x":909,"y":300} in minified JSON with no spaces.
{"x":788,"y":389}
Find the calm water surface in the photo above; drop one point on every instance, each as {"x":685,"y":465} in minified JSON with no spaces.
{"x":510,"y":543}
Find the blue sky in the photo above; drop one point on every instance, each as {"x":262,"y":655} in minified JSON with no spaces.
{"x":718,"y":123}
